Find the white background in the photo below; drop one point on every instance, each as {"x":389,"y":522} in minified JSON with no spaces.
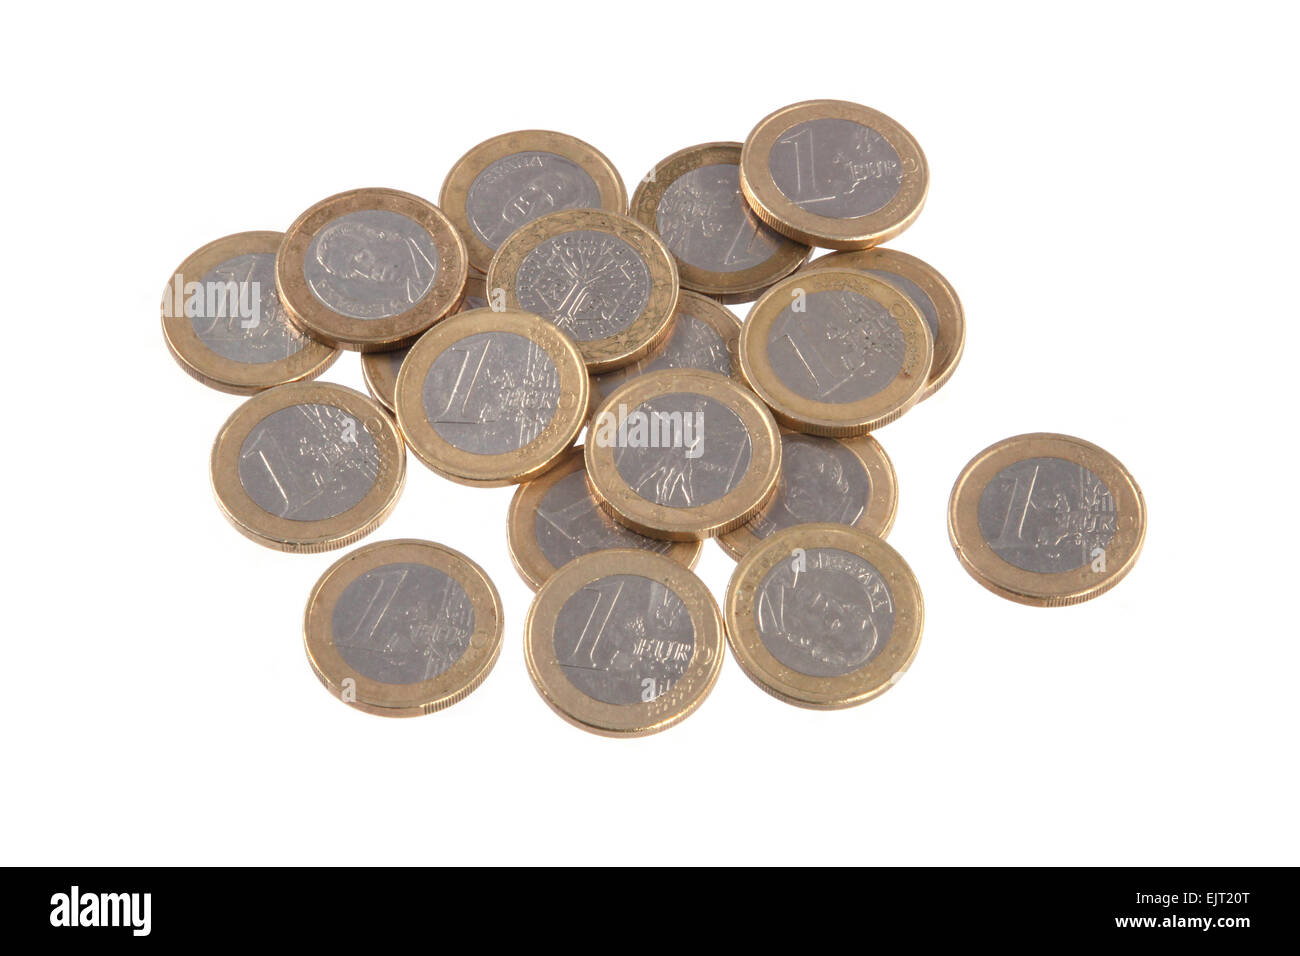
{"x":1114,"y":197}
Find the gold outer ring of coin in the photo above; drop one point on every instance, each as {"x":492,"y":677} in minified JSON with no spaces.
{"x":1036,"y":588}
{"x":744,"y":285}
{"x":370,"y":335}
{"x":455,"y":188}
{"x":506,"y":468}
{"x":836,"y":420}
{"x":823,"y":693}
{"x":403,"y":700}
{"x":521,"y":525}
{"x":859,"y":232}
{"x":648,"y":329}
{"x":951,"y":340}
{"x":877,"y":517}
{"x":307,"y":537}
{"x":625,"y":720}
{"x":377,"y":367}
{"x":217,"y":371}
{"x":708,"y":520}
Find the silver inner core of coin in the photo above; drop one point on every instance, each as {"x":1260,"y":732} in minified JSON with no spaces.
{"x":308,"y":462}
{"x":371,"y":264}
{"x":403,"y":623}
{"x":914,"y":292}
{"x":624,"y":639}
{"x":824,"y":612}
{"x":693,"y":344}
{"x":237,"y":314}
{"x":491,"y":392}
{"x":706,"y":222}
{"x":843,"y":348}
{"x":523,"y":186}
{"x":682,"y":450}
{"x":395,"y":359}
{"x":835,"y":168}
{"x":591,"y":284}
{"x":821,"y":480}
{"x":1047,"y":515}
{"x":569,"y":523}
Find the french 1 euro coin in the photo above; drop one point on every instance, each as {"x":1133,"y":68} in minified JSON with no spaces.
{"x":693,"y":201}
{"x":554,"y":519}
{"x":705,"y":335}
{"x":222,"y":319}
{"x":836,"y":352}
{"x":833,"y":174}
{"x":929,"y":291}
{"x":512,"y":179}
{"x":824,"y":615}
{"x":682,"y":454}
{"x":308,"y":467}
{"x":380,"y":368}
{"x":848,"y":481}
{"x":1046,"y":519}
{"x":370,"y":269}
{"x":492,"y":398}
{"x":623,"y":643}
{"x":402,"y":628}
{"x":604,"y":279}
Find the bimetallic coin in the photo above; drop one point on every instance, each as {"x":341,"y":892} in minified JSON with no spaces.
{"x":704,"y":336}
{"x":222,"y":320}
{"x":836,"y":352}
{"x":554,"y":519}
{"x":380,"y":368}
{"x":512,"y":179}
{"x":693,"y":201}
{"x":604,"y":279}
{"x":1046,"y":519}
{"x":492,"y":398}
{"x":370,"y":269}
{"x":682,"y":454}
{"x":847,"y":481}
{"x":930,"y":293}
{"x":824,"y":615}
{"x":403,"y":628}
{"x":623,"y":643}
{"x":308,"y":467}
{"x":833,"y":174}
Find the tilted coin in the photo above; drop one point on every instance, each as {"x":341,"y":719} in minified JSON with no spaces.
{"x":402,"y":628}
{"x":492,"y":398}
{"x":929,"y":291}
{"x":604,"y":279}
{"x":308,"y":467}
{"x":704,"y":336}
{"x":824,"y":615}
{"x":370,"y":269}
{"x":223,"y":323}
{"x":514,"y":178}
{"x":682,"y":454}
{"x":847,"y":481}
{"x":693,"y":201}
{"x":554,"y":519}
{"x":380,"y":368}
{"x":834,"y":174}
{"x":1046,"y":519}
{"x":623,"y":643}
{"x":835,"y":352}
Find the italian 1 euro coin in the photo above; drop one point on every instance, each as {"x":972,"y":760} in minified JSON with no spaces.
{"x":308,"y":467}
{"x":492,"y":398}
{"x":402,"y":628}
{"x":623,"y":643}
{"x":824,"y":615}
{"x":1046,"y":519}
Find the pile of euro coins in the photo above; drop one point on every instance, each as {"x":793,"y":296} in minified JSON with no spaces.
{"x":536,"y":327}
